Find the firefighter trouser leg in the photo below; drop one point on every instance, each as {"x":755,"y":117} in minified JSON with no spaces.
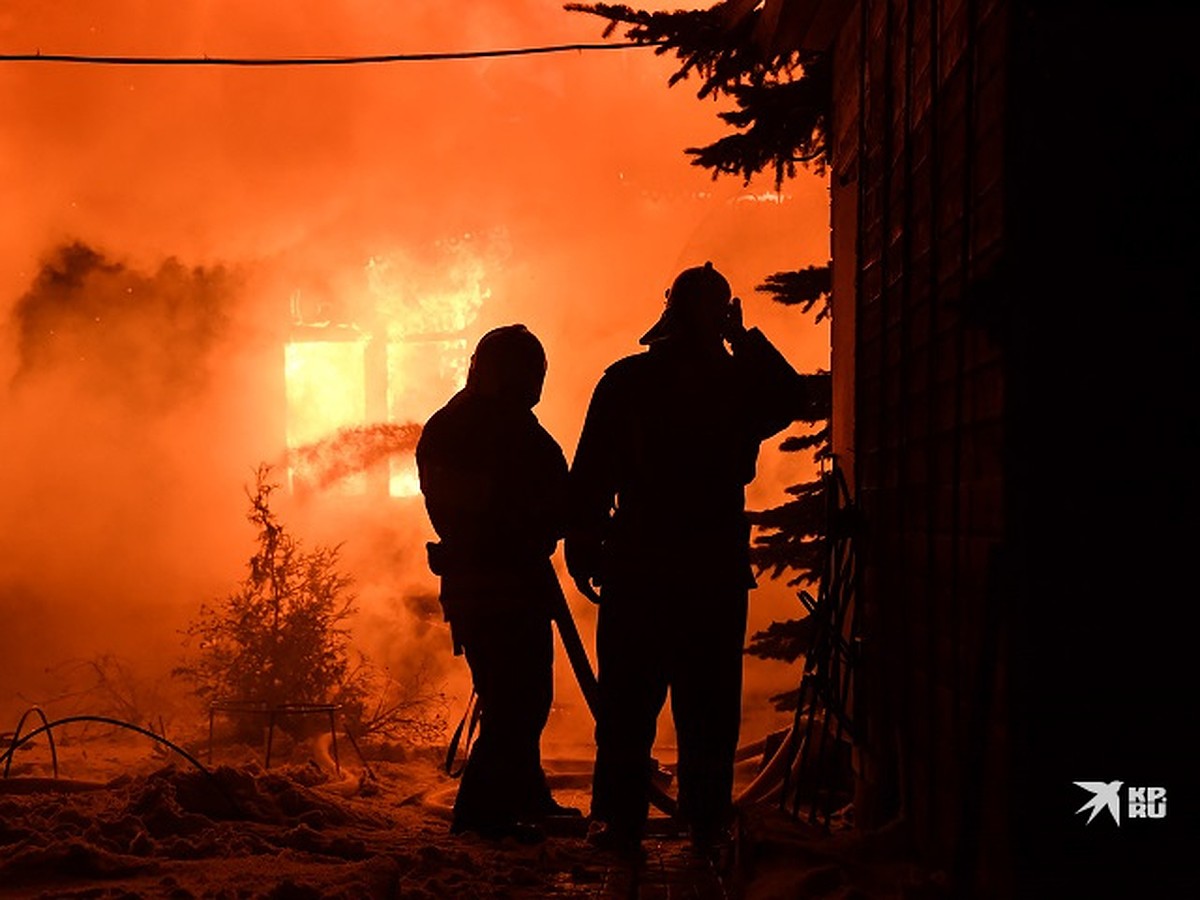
{"x":706,"y":703}
{"x":633,"y":688}
{"x":694,"y":649}
{"x":511,"y":663}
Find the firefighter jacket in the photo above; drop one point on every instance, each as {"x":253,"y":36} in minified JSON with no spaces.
{"x":671,"y":439}
{"x":494,"y":482}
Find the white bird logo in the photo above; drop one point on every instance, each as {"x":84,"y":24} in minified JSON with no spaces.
{"x":1104,"y":794}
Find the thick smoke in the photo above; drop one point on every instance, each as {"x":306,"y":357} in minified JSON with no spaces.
{"x":142,"y":341}
{"x":106,"y":520}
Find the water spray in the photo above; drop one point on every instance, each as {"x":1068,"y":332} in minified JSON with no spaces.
{"x":351,"y":450}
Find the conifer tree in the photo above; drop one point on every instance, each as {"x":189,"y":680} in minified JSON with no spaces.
{"x":782,"y":93}
{"x":791,"y":536}
{"x":282,"y":635}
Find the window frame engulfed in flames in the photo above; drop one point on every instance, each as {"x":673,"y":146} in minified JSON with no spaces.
{"x":383,"y":393}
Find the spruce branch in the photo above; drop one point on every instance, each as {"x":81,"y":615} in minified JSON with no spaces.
{"x":786,"y":641}
{"x":819,"y":442}
{"x":790,"y":537}
{"x":818,"y":401}
{"x":786,"y":701}
{"x":805,"y":288}
{"x":781,"y":124}
{"x":782,"y":95}
{"x":717,"y":44}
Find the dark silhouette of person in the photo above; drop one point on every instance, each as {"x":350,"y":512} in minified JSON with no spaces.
{"x":494,"y":483}
{"x":657,"y":526}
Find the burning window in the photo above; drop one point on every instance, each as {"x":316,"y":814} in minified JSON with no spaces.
{"x":326,"y":387}
{"x":356,"y":394}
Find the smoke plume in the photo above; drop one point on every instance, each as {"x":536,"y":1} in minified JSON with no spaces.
{"x":141,"y":340}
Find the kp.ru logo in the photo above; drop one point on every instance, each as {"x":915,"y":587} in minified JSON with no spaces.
{"x":1142,"y":802}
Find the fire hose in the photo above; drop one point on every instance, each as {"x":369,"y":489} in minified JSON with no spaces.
{"x":582,"y":667}
{"x":19,"y":740}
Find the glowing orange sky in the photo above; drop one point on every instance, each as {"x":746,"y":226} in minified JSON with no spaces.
{"x":568,"y":171}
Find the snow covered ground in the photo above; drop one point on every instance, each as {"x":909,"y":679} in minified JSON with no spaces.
{"x":125,"y":822}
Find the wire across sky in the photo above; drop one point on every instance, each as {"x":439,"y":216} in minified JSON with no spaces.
{"x":278,"y":61}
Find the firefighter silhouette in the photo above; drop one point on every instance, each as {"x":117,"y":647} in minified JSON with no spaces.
{"x":658,"y":535}
{"x":494,"y":483}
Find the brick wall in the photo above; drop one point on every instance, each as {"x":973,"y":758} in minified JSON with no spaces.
{"x":918,"y":135}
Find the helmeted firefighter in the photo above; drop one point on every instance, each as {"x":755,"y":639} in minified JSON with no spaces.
{"x":495,"y":488}
{"x":658,"y":524}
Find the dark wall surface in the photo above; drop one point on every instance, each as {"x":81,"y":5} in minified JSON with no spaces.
{"x":1024,"y":434}
{"x":1103,"y":453}
{"x":924,"y":83}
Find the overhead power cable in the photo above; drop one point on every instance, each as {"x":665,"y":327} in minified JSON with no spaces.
{"x":277,"y":61}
